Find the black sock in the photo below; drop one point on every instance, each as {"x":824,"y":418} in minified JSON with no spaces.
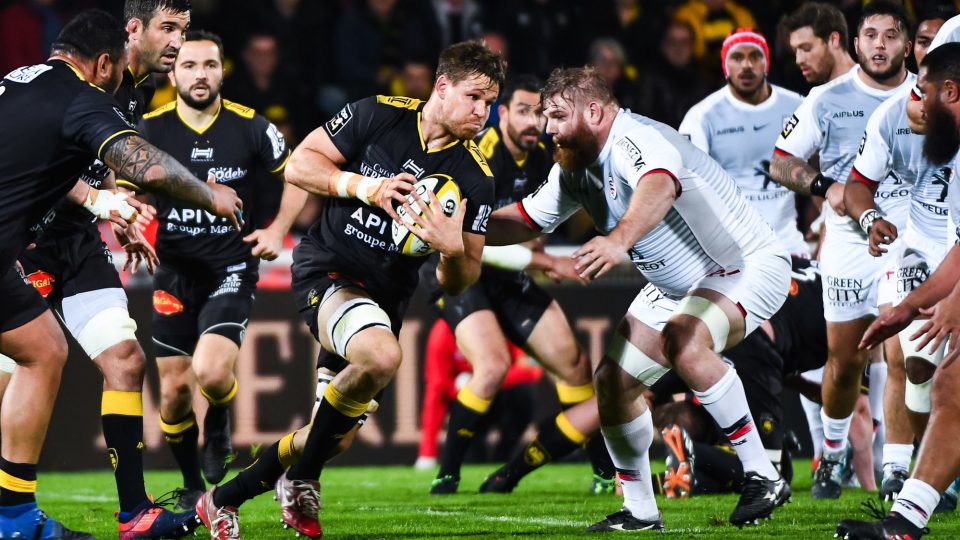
{"x":721,"y":467}
{"x":182,"y":437}
{"x":549,"y":445}
{"x":18,"y":483}
{"x":124,"y":438}
{"x":336,"y":416}
{"x":461,"y":429}
{"x":259,"y":477}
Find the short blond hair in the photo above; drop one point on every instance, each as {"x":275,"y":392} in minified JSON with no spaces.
{"x":577,"y":85}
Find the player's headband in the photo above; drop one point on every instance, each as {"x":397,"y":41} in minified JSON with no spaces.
{"x":744,"y":36}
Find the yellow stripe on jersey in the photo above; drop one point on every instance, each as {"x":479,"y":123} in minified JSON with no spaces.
{"x":121,"y":403}
{"x":160,"y":110}
{"x":127,"y":184}
{"x":478,"y":157}
{"x":488,"y":143}
{"x":112,"y":137}
{"x":242,"y":110}
{"x":282,"y":165}
{"x":399,"y":102}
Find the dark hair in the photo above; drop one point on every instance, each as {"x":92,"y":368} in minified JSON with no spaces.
{"x":824,"y":19}
{"x":934,"y":12}
{"x":524,"y":82}
{"x":468,"y":58}
{"x":943,"y":63}
{"x":573,"y":84}
{"x":91,"y":33}
{"x":146,"y":9}
{"x":203,"y":35}
{"x":885,"y":7}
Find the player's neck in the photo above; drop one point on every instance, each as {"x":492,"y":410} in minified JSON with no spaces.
{"x":757,"y":97}
{"x":134,"y":66}
{"x":198,"y":118}
{"x":842,"y":65}
{"x":883,"y":84}
{"x":519,"y":154}
{"x":434,"y":134}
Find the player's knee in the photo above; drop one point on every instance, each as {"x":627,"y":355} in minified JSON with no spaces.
{"x":491,"y":370}
{"x":213,"y":374}
{"x":678,"y":344}
{"x":381,"y":360}
{"x":919,"y":370}
{"x":175,"y":390}
{"x":123,"y":366}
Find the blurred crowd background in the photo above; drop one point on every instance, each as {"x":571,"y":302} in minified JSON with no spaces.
{"x":298,"y":62}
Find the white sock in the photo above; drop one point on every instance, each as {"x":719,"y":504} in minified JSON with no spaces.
{"x":727,"y":404}
{"x":835,"y":432}
{"x":629,"y":445}
{"x":897,"y":456}
{"x":916,"y":502}
{"x":878,"y":380}
{"x":811,"y":409}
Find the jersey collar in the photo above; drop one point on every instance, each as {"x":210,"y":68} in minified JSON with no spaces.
{"x":423,"y":143}
{"x":203,"y":129}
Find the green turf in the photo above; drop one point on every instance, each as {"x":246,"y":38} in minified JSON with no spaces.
{"x":392,"y":502}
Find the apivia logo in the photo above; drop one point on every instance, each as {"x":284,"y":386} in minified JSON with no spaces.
{"x":226,"y":174}
{"x":201,"y":154}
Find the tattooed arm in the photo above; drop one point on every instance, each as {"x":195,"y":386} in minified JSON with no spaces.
{"x":136,"y":160}
{"x":797,"y":175}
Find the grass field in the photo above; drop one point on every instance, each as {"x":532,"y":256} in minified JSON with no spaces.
{"x":392,"y":502}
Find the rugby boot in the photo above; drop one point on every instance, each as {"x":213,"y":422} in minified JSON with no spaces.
{"x":28,"y":521}
{"x":625,"y":522}
{"x":152,"y":520}
{"x":299,"y":505}
{"x":217,"y":449}
{"x":758,"y":499}
{"x":678,"y":479}
{"x":222,"y":522}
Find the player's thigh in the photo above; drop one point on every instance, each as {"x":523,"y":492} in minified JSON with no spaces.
{"x":177,"y":298}
{"x":851,"y":279}
{"x":731,"y":304}
{"x":352,"y":324}
{"x":482,"y":342}
{"x":633,"y":361}
{"x":29,"y":331}
{"x":223,"y":318}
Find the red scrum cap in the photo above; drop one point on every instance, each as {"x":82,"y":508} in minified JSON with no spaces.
{"x":744,"y":36}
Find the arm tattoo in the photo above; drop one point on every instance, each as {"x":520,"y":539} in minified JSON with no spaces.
{"x":138,"y":161}
{"x":792,"y":173}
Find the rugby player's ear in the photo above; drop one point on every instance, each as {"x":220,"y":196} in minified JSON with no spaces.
{"x":594,"y":113}
{"x":833,"y":40}
{"x":440,"y":86}
{"x":950,"y":91}
{"x":502,"y":110}
{"x":134,"y":27}
{"x":103,"y":67}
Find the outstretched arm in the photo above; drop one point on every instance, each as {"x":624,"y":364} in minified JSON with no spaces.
{"x":508,"y":226}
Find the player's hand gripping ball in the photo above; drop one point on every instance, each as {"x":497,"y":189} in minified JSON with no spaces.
{"x":447,"y":193}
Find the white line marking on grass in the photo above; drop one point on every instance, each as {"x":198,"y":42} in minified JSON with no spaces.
{"x":552,"y":522}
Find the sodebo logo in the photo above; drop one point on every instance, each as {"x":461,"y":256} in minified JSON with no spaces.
{"x":226,"y":174}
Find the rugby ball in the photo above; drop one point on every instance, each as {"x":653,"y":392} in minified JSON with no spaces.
{"x":447,"y":193}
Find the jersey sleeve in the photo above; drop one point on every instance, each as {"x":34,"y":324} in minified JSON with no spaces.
{"x":271,"y":146}
{"x":694,"y":129}
{"x":550,"y":205}
{"x":874,"y":159}
{"x":349,"y":129}
{"x":94,"y":121}
{"x":641,"y":152}
{"x":802,"y":135}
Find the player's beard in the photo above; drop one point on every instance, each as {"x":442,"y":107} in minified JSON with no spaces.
{"x":942,"y":140}
{"x":881,"y":75}
{"x":821,"y":73}
{"x":199,"y":104}
{"x":517,"y":138}
{"x":576,"y":152}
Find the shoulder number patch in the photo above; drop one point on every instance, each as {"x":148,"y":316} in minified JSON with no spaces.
{"x":788,"y":127}
{"x":335,"y":124}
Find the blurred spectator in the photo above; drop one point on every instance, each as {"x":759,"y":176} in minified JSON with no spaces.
{"x":607,"y":55}
{"x":257,"y":83}
{"x":496,"y":43}
{"x":459,"y":20}
{"x":446,"y":370}
{"x":375,"y":38}
{"x":543,"y":34}
{"x":712,"y":21}
{"x":639,"y":25}
{"x":415,"y":80}
{"x":27,"y":29}
{"x":673,"y":82}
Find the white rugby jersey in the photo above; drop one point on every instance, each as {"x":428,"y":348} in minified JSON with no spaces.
{"x":709,"y":229}
{"x":891,"y":153}
{"x":740,"y":137}
{"x":830,"y":121}
{"x":953,"y":205}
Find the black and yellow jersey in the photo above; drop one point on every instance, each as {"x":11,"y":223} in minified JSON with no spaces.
{"x":381,"y":136}
{"x":54,"y":125}
{"x":513,"y":180}
{"x":228,"y":148}
{"x":67,"y":217}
